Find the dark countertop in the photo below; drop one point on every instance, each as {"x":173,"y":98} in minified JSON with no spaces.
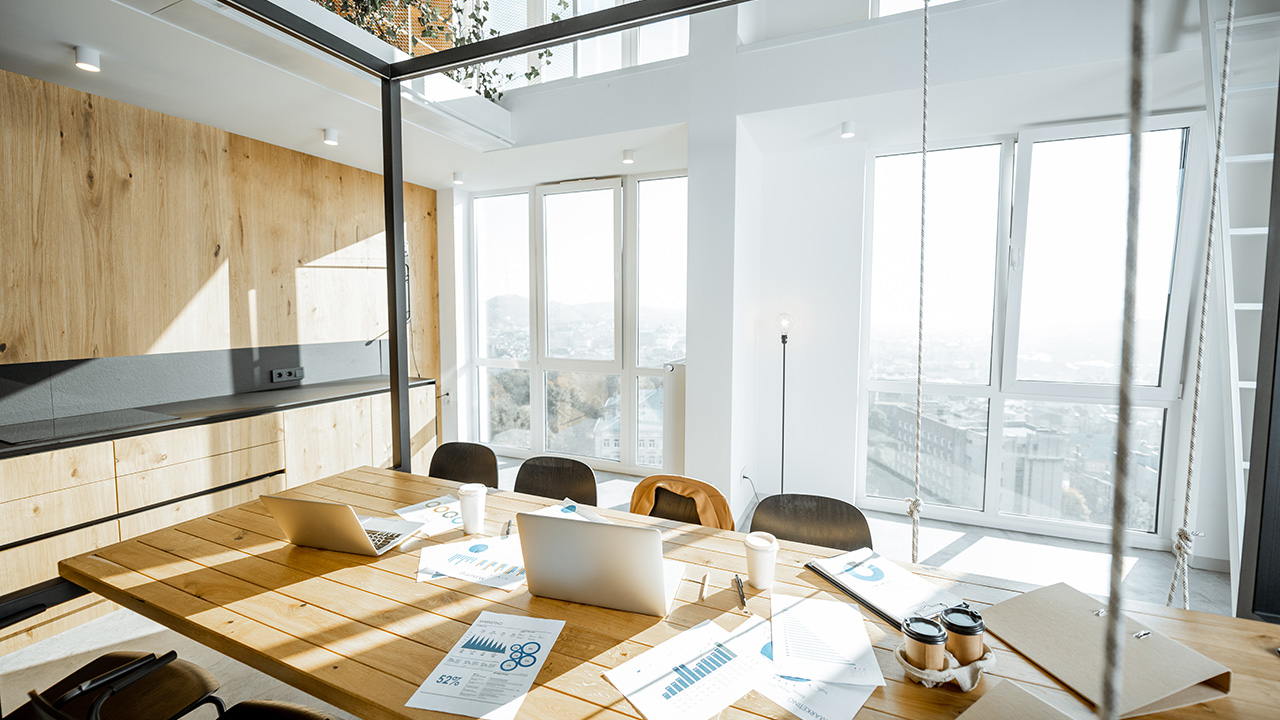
{"x":205,"y":411}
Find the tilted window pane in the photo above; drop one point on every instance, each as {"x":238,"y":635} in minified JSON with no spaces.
{"x":663,"y":41}
{"x":649,"y":421}
{"x":504,"y":407}
{"x":502,"y":276}
{"x":963,"y":212}
{"x":893,"y":7}
{"x":602,"y":53}
{"x":1059,"y":462}
{"x":662,"y":217}
{"x":583,"y":414}
{"x":953,"y":455}
{"x":581,"y":280}
{"x":1073,"y":279}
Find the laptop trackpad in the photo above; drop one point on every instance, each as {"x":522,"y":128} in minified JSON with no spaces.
{"x":672,"y":574}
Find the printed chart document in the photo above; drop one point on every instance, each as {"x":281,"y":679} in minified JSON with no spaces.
{"x":692,"y":676}
{"x":496,"y":562}
{"x":884,"y":587}
{"x":491,"y":667}
{"x":438,"y":515}
{"x":822,"y":640}
{"x":572,"y":510}
{"x":804,"y":698}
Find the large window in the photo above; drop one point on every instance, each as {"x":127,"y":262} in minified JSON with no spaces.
{"x":1024,"y":276}
{"x":575,"y":367}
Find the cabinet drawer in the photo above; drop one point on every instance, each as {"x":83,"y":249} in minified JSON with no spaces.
{"x":56,"y":510}
{"x":323,"y":440}
{"x":422,"y":423}
{"x":47,"y":472}
{"x":172,"y":447}
{"x":163,"y":517}
{"x":165,"y":483}
{"x":35,"y":562}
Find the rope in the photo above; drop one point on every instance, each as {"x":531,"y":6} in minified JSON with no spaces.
{"x":914,"y":504}
{"x":1185,"y":537}
{"x":1109,"y":708}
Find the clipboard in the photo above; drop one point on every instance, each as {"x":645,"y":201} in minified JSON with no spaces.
{"x":1060,"y":629}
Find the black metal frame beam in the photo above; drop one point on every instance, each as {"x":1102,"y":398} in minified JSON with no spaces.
{"x":31,"y":601}
{"x":311,"y":34}
{"x":397,"y":274}
{"x":600,"y":22}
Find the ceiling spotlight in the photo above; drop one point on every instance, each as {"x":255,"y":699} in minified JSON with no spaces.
{"x":88,"y":59}
{"x":457,"y":179}
{"x":628,"y":157}
{"x":330,"y":136}
{"x":846,"y":130}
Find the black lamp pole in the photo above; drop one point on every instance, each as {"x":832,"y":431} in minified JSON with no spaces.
{"x":784,"y":328}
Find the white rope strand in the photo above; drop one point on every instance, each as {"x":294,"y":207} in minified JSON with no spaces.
{"x":1185,"y":538}
{"x":1109,"y":709}
{"x":914,"y":504}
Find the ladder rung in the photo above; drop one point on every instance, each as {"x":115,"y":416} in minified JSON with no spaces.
{"x":1255,"y":158}
{"x":1255,"y":307}
{"x":1245,"y":465}
{"x":1248,"y":385}
{"x":1248,"y":231}
{"x":1247,"y":20}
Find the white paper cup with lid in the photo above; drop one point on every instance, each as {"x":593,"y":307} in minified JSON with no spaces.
{"x":762,"y":555}
{"x":471,"y":497}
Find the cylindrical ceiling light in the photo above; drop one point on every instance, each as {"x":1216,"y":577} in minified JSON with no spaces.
{"x":88,"y":59}
{"x":330,"y":136}
{"x":846,"y":129}
{"x":457,"y":178}
{"x":628,"y":157}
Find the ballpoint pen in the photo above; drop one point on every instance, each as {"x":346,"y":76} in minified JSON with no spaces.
{"x":506,"y":529}
{"x":742,"y":596}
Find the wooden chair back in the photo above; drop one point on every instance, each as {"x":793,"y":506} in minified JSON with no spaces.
{"x":557,"y":478}
{"x":711,"y":508}
{"x":813,"y":519}
{"x":465,"y":462}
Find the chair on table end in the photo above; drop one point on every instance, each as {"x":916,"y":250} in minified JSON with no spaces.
{"x":125,"y":686}
{"x":683,"y":499}
{"x":270,"y":710}
{"x":557,"y":478}
{"x":813,"y":519}
{"x":466,"y":463}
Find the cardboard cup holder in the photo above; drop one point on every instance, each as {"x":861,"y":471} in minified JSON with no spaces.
{"x":965,"y":676}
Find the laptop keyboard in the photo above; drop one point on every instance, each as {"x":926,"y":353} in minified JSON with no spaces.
{"x":381,"y":539}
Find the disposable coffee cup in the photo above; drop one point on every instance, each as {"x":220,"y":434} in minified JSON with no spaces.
{"x":965,"y":631}
{"x":762,"y":555}
{"x":926,"y":643}
{"x":471,"y":497}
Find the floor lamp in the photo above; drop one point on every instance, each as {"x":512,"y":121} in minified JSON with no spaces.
{"x":784,"y":328}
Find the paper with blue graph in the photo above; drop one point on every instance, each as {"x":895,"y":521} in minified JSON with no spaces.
{"x":574,"y":511}
{"x":496,"y":562}
{"x":437,"y":515}
{"x":491,"y":668}
{"x":692,"y":676}
{"x":822,"y":640}
{"x":803,"y":697}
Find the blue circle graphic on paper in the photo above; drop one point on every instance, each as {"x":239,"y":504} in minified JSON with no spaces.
{"x":767,"y":651}
{"x":569,"y":508}
{"x":521,"y":656}
{"x":479,"y":548}
{"x":865,"y":571}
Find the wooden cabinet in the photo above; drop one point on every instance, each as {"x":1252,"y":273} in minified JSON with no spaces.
{"x":321,"y":440}
{"x":422,"y":421}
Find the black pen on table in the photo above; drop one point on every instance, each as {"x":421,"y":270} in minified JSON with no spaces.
{"x":742,"y":596}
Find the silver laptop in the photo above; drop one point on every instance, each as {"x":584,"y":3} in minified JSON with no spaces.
{"x":334,"y":526}
{"x":613,"y":566}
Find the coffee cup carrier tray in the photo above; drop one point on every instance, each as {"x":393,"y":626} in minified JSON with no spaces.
{"x":966,"y":676}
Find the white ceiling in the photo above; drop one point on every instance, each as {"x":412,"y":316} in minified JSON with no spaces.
{"x":253,"y":83}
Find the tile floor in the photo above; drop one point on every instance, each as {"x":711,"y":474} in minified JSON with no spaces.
{"x":960,"y":548}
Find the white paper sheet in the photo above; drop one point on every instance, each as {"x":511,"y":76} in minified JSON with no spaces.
{"x":491,"y":668}
{"x":822,"y":640}
{"x":438,"y":515}
{"x":810,"y":699}
{"x":496,"y":562}
{"x":692,"y":676}
{"x":569,"y":509}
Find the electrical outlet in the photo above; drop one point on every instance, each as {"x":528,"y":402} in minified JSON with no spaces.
{"x":280,"y":375}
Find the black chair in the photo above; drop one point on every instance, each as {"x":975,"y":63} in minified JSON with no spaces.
{"x":813,"y":519}
{"x":670,"y":506}
{"x":557,"y":478}
{"x":125,"y":686}
{"x":466,"y":463}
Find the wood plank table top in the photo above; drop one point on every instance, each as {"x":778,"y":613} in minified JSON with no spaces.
{"x":362,"y":633}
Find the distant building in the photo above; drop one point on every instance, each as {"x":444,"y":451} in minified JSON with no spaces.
{"x":608,"y":433}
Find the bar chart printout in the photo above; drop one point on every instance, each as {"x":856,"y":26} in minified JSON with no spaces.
{"x":692,"y":676}
{"x":707,"y":664}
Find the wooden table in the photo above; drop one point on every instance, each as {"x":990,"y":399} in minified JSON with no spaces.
{"x":362,"y":633}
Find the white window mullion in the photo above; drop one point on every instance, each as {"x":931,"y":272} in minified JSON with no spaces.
{"x":995,"y":409}
{"x":537,"y":331}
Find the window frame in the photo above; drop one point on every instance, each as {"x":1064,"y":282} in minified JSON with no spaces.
{"x":1002,"y":386}
{"x":626,"y":326}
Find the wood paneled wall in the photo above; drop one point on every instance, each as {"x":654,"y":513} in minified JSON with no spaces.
{"x":124,"y":231}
